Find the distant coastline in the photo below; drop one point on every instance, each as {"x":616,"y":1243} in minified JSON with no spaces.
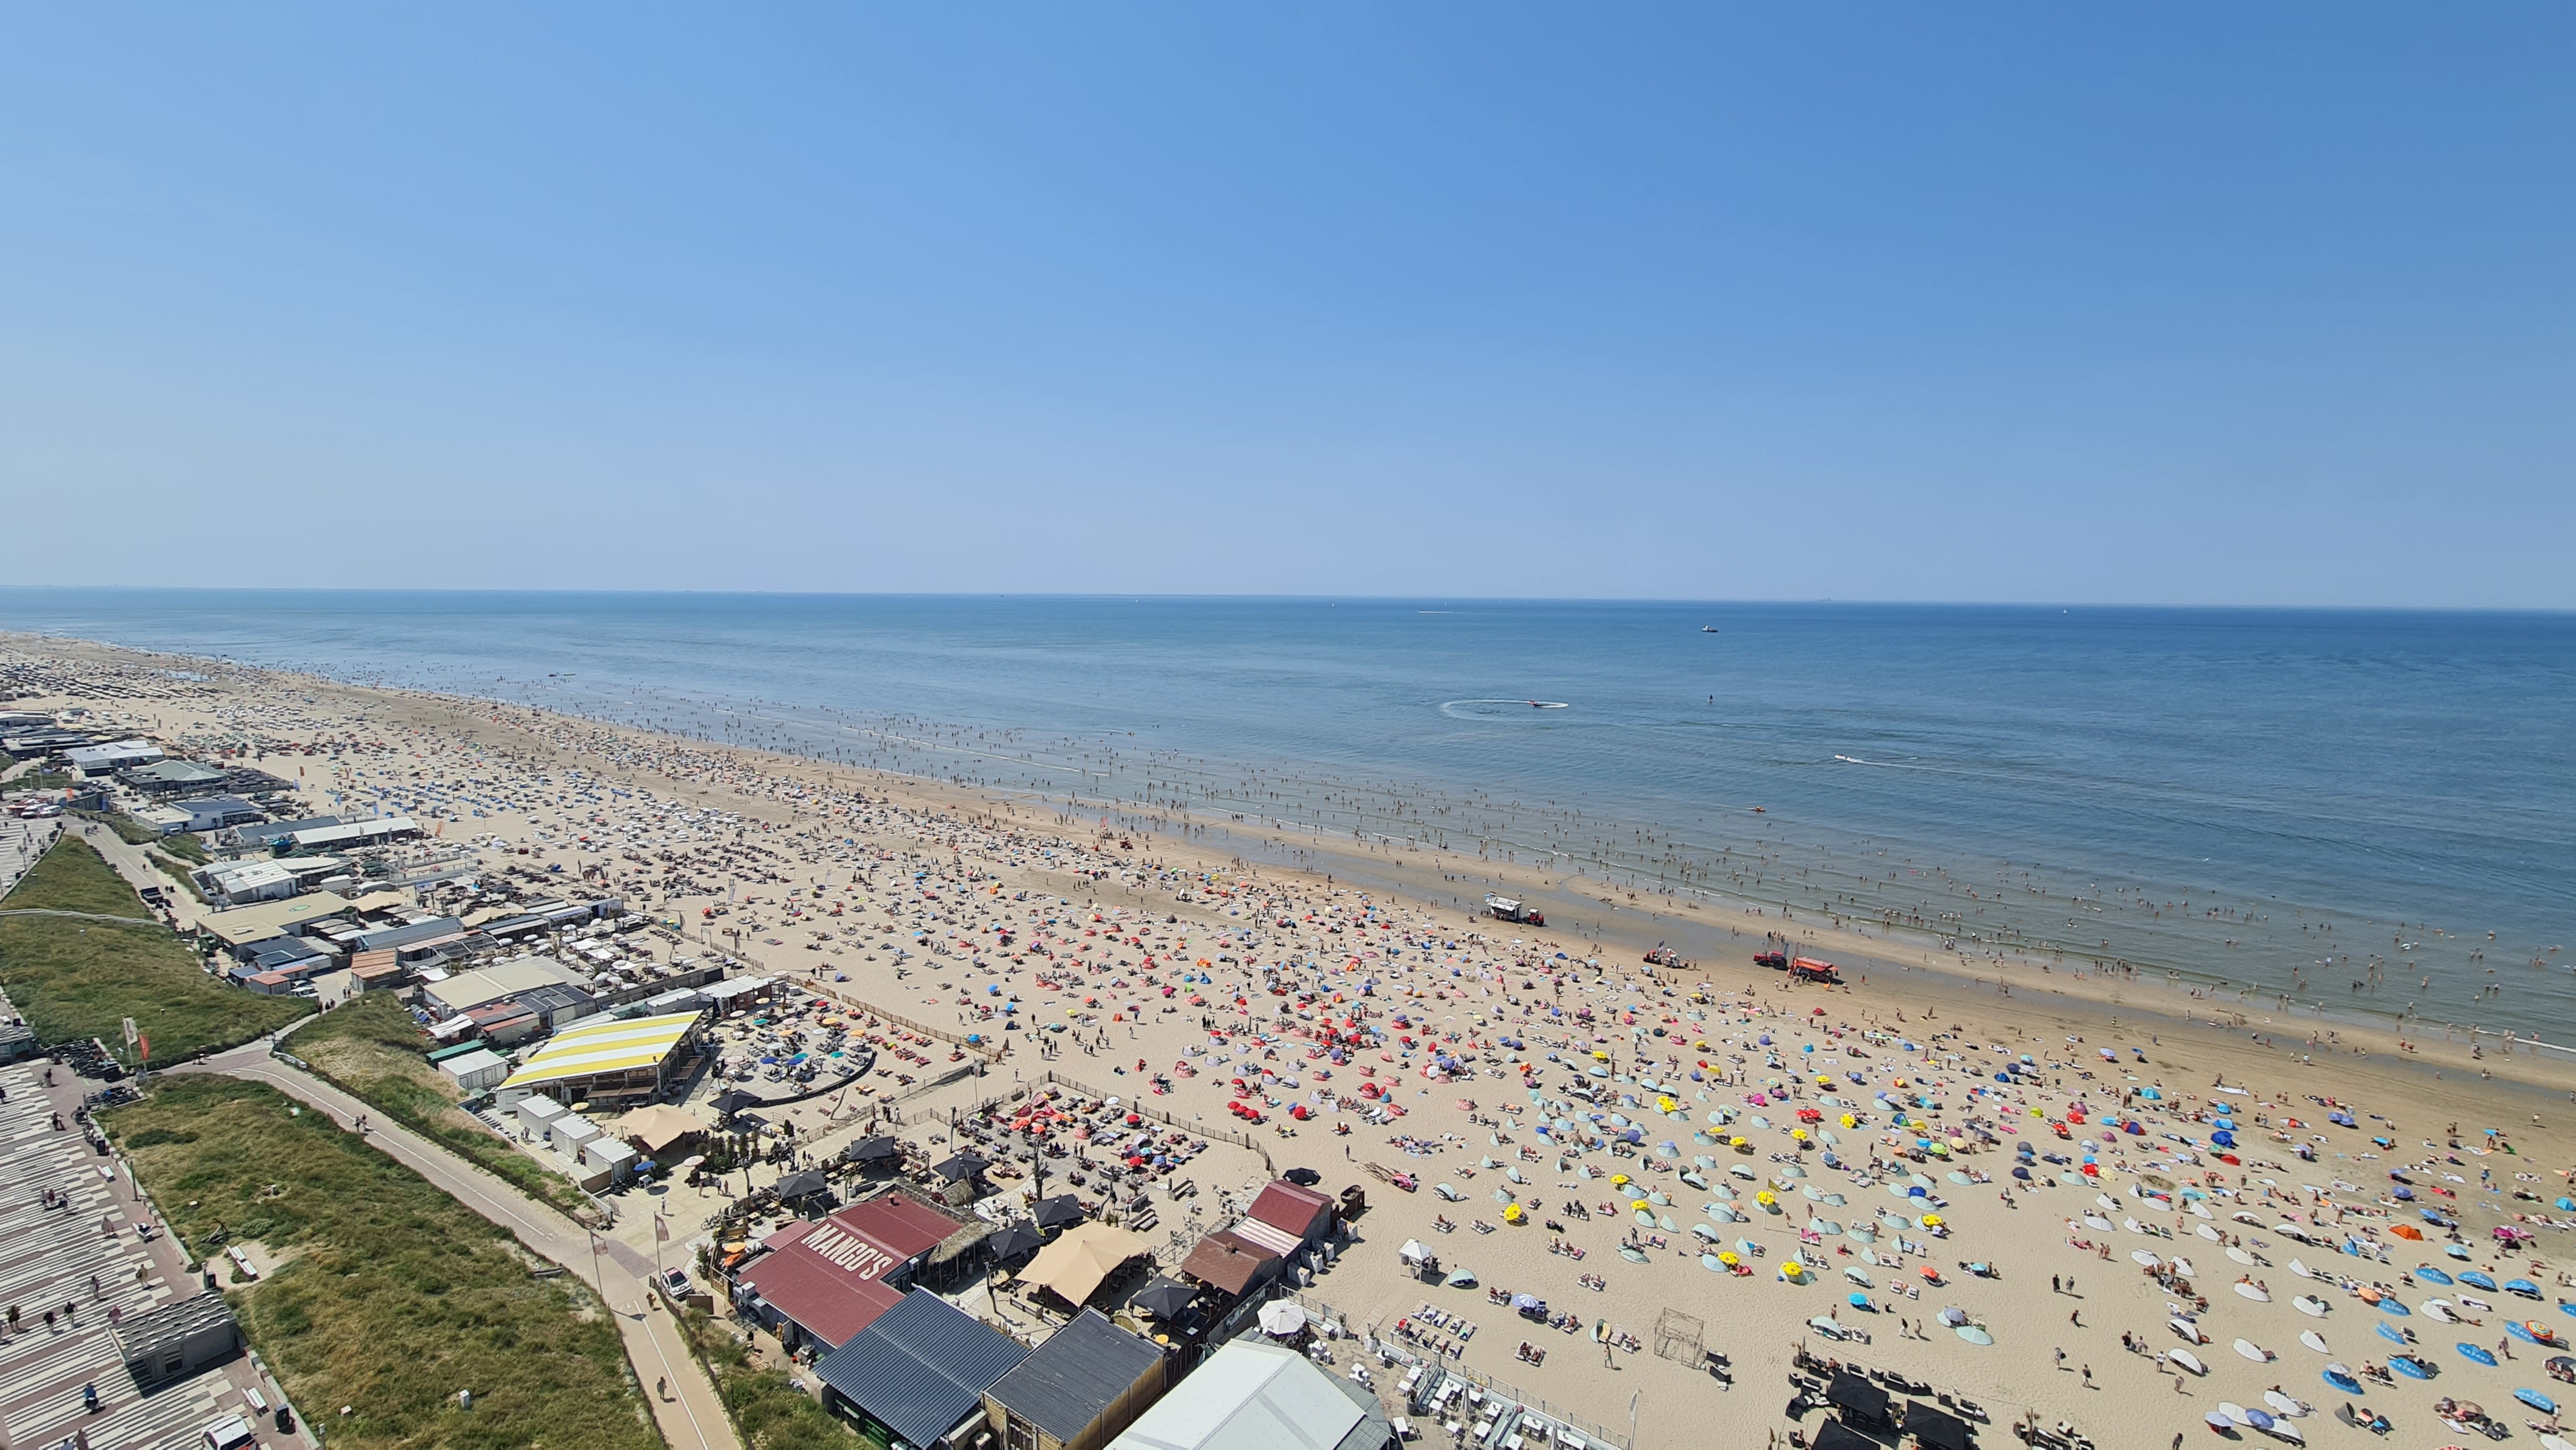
{"x":2348,"y":791}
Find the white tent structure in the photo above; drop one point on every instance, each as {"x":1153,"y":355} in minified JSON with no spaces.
{"x":1252,"y":1396}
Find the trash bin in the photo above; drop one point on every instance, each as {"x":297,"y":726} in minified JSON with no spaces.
{"x":285,"y":1420}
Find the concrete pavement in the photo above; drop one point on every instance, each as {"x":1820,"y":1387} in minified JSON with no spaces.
{"x":693,"y":1418}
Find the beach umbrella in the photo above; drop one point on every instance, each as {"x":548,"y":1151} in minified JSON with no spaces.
{"x":1164,"y":1298}
{"x":2476,"y":1353}
{"x":1462,"y":1279}
{"x":1858,"y":1300}
{"x":1017,"y":1239}
{"x":1281,"y":1318}
{"x":1974,"y":1334}
{"x":872,"y":1150}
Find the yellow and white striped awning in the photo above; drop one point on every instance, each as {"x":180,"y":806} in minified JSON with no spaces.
{"x":591,"y":1048}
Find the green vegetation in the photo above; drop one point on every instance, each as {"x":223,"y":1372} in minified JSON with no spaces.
{"x":74,"y":877}
{"x":129,"y":830}
{"x":372,"y":1048}
{"x":392,"y":1296}
{"x":177,"y":871}
{"x":40,"y":780}
{"x":188,"y":846}
{"x":771,"y":1413}
{"x":76,"y":979}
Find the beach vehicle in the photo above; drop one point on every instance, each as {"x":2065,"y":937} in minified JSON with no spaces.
{"x":1809,"y":969}
{"x":229,"y":1432}
{"x":1776,"y":961}
{"x":1504,"y":908}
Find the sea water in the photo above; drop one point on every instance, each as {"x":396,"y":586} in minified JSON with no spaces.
{"x":2283,"y":801}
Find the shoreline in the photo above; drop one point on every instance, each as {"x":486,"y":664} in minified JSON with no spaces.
{"x":2284,"y":919}
{"x":2079,"y":995}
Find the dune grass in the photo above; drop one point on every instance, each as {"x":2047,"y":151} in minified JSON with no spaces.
{"x":129,"y":830}
{"x":395,"y":1297}
{"x":372,"y":1048}
{"x":771,"y":1413}
{"x":76,"y":979}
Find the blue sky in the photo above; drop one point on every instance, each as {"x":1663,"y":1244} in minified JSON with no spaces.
{"x":2263,"y":304}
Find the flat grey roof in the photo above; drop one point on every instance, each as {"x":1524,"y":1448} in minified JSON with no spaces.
{"x":1080,"y":1371}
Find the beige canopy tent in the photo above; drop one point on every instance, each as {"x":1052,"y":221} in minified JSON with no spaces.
{"x":658,"y":1126}
{"x":1080,"y":1258}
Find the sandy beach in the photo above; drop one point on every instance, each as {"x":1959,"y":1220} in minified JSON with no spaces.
{"x":2026,"y":1184}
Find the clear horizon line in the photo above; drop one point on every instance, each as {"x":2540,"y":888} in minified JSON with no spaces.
{"x":1142,"y":595}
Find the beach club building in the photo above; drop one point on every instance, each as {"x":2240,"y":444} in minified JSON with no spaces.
{"x":356,"y":835}
{"x":1288,"y":1218}
{"x":112,"y":757}
{"x":1254,"y":1396}
{"x":634,"y":1059}
{"x":245,"y":930}
{"x":918,"y":1375}
{"x":1090,"y":1380}
{"x":1232,"y":1265}
{"x":821,"y":1281}
{"x":244,"y":883}
{"x":502,"y":981}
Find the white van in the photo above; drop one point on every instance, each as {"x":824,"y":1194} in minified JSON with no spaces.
{"x":231,"y":1432}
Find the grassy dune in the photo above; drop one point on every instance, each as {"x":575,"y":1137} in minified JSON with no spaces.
{"x":77,"y":979}
{"x":394,"y":1296}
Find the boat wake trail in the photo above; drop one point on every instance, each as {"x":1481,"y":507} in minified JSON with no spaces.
{"x":1496,"y":709}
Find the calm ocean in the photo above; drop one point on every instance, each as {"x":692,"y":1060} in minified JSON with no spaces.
{"x":2237,"y":794}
